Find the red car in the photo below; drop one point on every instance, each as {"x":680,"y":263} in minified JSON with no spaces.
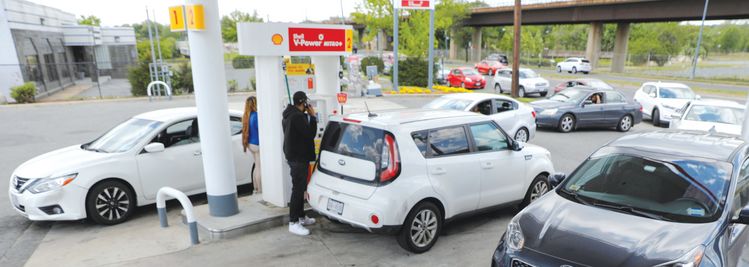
{"x":466,"y":78}
{"x":488,"y":67}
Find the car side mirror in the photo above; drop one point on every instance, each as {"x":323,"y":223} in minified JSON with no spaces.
{"x":556,"y":179}
{"x":154,"y":147}
{"x":517,"y":145}
{"x":743,"y":216}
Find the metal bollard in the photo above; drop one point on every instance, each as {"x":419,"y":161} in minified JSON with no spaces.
{"x":186,"y":205}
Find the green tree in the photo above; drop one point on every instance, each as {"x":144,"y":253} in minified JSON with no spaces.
{"x":229,"y":24}
{"x":377,"y":15}
{"x":168,"y":49}
{"x":90,"y":20}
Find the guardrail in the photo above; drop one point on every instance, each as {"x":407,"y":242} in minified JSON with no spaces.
{"x":150,"y":91}
{"x":186,"y":205}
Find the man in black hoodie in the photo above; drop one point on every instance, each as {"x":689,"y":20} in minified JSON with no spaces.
{"x":299,"y":129}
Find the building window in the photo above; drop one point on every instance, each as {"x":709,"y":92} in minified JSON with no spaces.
{"x":41,"y":21}
{"x":116,"y":39}
{"x":49,"y":61}
{"x":65,"y":69}
{"x":32,"y":68}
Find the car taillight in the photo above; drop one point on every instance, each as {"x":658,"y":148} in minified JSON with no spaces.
{"x":534,"y":114}
{"x":390,"y":160}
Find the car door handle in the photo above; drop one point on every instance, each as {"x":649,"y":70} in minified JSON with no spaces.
{"x":197,"y":153}
{"x":487,"y":165}
{"x":438,"y":171}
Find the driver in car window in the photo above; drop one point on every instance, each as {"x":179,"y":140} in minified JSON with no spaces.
{"x":596,"y":99}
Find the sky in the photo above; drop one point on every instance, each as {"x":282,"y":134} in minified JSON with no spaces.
{"x":115,"y":13}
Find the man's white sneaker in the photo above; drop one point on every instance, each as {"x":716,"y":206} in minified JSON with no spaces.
{"x":307,"y":221}
{"x":298,"y":229}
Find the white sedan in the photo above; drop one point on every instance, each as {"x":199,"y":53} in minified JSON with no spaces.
{"x":529,"y":82}
{"x":703,"y":115}
{"x":516,"y":118}
{"x":105,"y":179}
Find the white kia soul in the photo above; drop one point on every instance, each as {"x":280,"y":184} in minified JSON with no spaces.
{"x":409,"y":171}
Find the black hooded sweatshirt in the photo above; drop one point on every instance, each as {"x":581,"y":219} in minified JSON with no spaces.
{"x":299,"y":131}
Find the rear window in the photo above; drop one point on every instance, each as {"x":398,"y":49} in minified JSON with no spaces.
{"x":353,"y":140}
{"x":586,"y":61}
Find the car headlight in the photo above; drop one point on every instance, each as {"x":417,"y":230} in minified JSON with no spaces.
{"x":468,"y":80}
{"x":549,"y":112}
{"x":691,"y":259}
{"x":514,"y":236}
{"x":49,"y":184}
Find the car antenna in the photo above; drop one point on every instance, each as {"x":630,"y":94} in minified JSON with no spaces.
{"x":712,"y":130}
{"x":369,"y":113}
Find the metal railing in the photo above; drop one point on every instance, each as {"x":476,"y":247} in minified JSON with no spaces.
{"x":186,"y":205}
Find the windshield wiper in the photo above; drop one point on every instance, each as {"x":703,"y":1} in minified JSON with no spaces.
{"x":87,"y":147}
{"x":576,"y":197}
{"x":632,"y":210}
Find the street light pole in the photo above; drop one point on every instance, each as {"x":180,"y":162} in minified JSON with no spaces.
{"x":699,"y":42}
{"x":516,"y":51}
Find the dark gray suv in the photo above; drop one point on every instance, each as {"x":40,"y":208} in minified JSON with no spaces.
{"x":651,"y":199}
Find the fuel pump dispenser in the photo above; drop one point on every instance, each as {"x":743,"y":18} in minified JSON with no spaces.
{"x":270,"y":43}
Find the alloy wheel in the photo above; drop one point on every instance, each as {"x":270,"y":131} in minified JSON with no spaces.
{"x":521,"y":135}
{"x":424,"y":228}
{"x":625,"y":124}
{"x":539,"y":189}
{"x":112,"y":203}
{"x":567,"y":123}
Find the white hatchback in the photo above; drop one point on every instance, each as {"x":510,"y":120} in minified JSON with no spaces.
{"x":575,"y":65}
{"x":661,"y":100}
{"x":409,"y":171}
{"x":105,"y":179}
{"x":516,"y":118}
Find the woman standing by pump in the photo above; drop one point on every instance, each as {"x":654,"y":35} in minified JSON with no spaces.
{"x":251,"y":140}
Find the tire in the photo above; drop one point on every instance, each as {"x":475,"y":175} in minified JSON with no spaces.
{"x":567,"y":123}
{"x":559,"y":69}
{"x":110,"y":202}
{"x":543,"y":94}
{"x":625,"y":123}
{"x":574,"y":70}
{"x":425,"y":235}
{"x":521,"y":91}
{"x":586,"y":72}
{"x":538,"y":188}
{"x":656,"y":118}
{"x":497,"y":88}
{"x":521,"y":135}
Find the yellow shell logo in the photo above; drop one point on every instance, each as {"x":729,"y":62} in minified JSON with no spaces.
{"x":277,"y":39}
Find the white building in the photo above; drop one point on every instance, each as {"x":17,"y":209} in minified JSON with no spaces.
{"x":46,"y":46}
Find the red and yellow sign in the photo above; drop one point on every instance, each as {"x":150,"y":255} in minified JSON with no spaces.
{"x":195,"y":17}
{"x":300,"y":69}
{"x":415,"y":4}
{"x":177,"y":18}
{"x":342,"y":98}
{"x":319,"y":40}
{"x":277,"y":39}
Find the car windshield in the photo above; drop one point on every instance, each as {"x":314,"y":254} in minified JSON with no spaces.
{"x":448,"y":103}
{"x":677,"y":189}
{"x":676,"y":92}
{"x":124,"y":136}
{"x":468,"y":72}
{"x":528,"y":74}
{"x":715,"y":114}
{"x":569,"y":96}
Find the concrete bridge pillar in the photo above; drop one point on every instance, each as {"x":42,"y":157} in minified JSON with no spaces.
{"x":381,"y":41}
{"x":593,"y":49}
{"x":476,"y":44}
{"x":453,"y":44}
{"x":620,"y":47}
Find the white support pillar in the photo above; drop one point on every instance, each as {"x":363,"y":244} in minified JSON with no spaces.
{"x":270,"y":94}
{"x":209,"y":77}
{"x":326,"y":77}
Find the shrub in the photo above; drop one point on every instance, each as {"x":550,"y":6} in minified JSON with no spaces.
{"x":24,"y":93}
{"x":254,"y":84}
{"x":182,"y":78}
{"x":243,"y":62}
{"x":232,"y":85}
{"x":372,"y":61}
{"x":413,"y":71}
{"x":138,"y":76}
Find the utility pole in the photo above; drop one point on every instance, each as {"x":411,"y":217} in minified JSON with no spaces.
{"x":699,"y":42}
{"x":516,"y":51}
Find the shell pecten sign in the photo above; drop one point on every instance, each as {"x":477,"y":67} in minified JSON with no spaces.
{"x":281,"y":39}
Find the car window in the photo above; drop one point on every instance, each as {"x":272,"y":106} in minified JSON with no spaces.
{"x":483,"y":107}
{"x":448,"y":103}
{"x":456,"y":72}
{"x":353,"y":140}
{"x":421,"y":141}
{"x":675,"y":92}
{"x":741,"y":196}
{"x":613,"y":97}
{"x":125,"y":136}
{"x":487,"y":137}
{"x":448,"y":141}
{"x":179,"y":133}
{"x":715,"y":114}
{"x":468,"y":72}
{"x":585,"y":61}
{"x":235,"y":125}
{"x":503,"y":105}
{"x":676,"y":189}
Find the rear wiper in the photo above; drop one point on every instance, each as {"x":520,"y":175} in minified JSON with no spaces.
{"x":632,"y":210}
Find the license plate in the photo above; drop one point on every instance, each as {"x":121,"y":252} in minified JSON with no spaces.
{"x":335,"y":206}
{"x":478,"y":84}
